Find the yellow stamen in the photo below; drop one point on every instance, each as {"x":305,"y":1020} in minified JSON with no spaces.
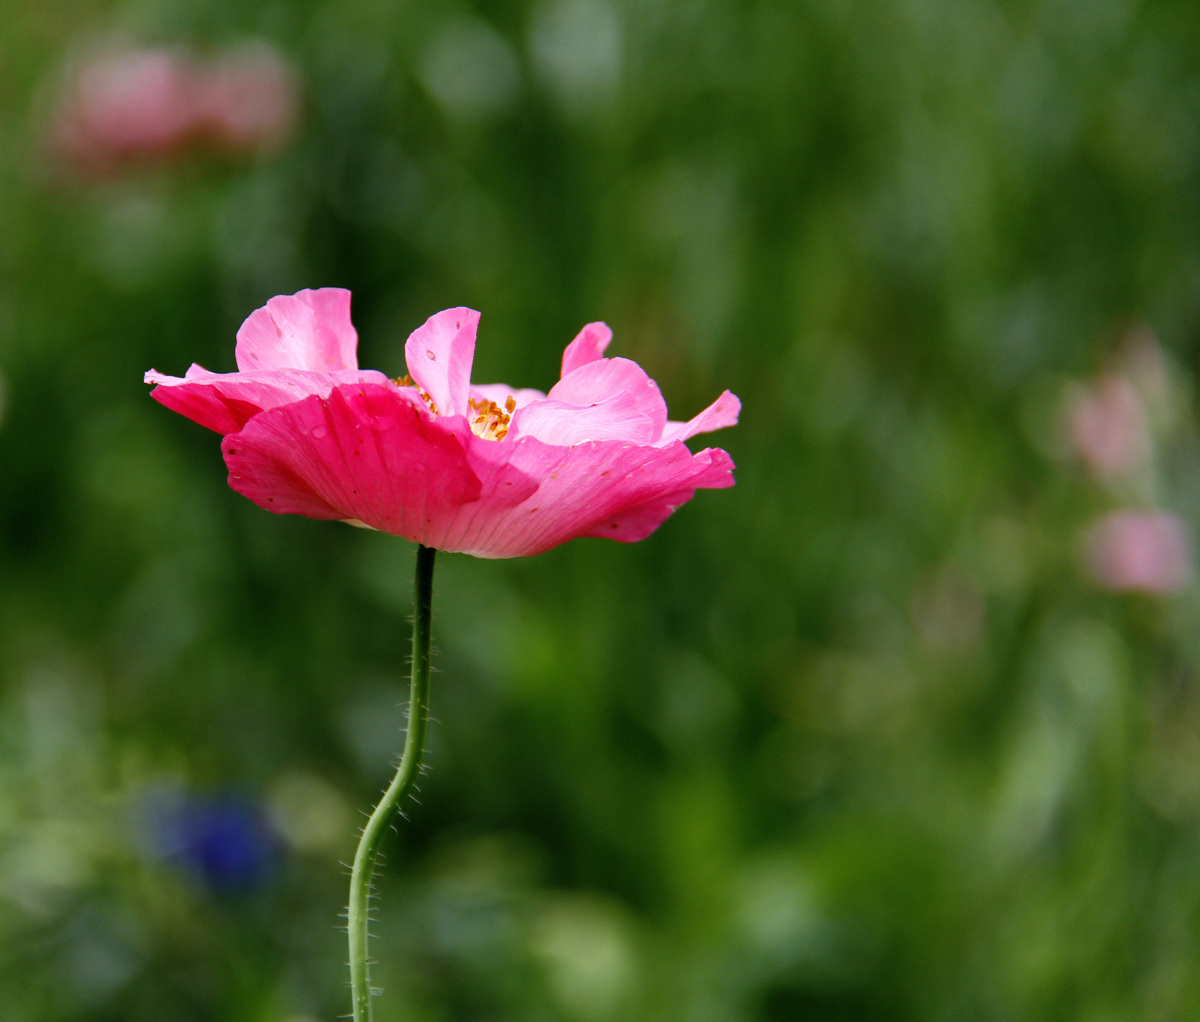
{"x":491,"y":422}
{"x":407,"y":381}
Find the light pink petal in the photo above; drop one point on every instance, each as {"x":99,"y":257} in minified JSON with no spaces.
{"x":563,"y":425}
{"x":711,"y":469}
{"x":501,"y":392}
{"x":722,"y":413}
{"x":439,"y":354}
{"x":612,"y":489}
{"x":307,"y":330}
{"x":589,"y":345}
{"x":224,"y":402}
{"x":371,"y":453}
{"x":606,"y":378}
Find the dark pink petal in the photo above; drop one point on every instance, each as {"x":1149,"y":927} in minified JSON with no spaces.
{"x":600,"y":380}
{"x":712,"y":468}
{"x":723,"y":412}
{"x":589,"y":345}
{"x":307,"y":330}
{"x":439,"y":354}
{"x":224,"y":402}
{"x":611,"y":489}
{"x":372,"y":453}
{"x":564,"y":425}
{"x":638,"y":522}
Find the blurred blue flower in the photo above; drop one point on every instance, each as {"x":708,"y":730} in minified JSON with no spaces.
{"x":223,"y":840}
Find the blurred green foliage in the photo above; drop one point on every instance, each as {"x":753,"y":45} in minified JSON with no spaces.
{"x":858,"y":739}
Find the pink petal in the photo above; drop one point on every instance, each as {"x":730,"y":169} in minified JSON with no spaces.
{"x":712,"y":468}
{"x":247,"y":99}
{"x":307,"y":330}
{"x":224,"y":402}
{"x":598,"y":381}
{"x":589,"y":345}
{"x":723,"y":412}
{"x":564,"y":425}
{"x":593,"y":489}
{"x":501,"y":392}
{"x":439,"y":354}
{"x":372,"y":453}
{"x":375,"y":454}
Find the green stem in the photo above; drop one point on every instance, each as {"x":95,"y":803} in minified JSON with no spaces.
{"x":402,"y":783}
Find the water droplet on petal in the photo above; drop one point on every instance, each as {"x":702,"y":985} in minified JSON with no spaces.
{"x":319,"y":432}
{"x":429,"y":353}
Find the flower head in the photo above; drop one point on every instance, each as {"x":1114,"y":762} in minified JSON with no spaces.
{"x":1139,"y":551}
{"x":1108,"y":427}
{"x":483,"y":469}
{"x":124,"y":106}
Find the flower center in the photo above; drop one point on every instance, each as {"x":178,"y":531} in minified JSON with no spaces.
{"x":488,"y":420}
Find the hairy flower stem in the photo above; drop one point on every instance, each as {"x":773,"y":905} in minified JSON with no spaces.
{"x":402,"y":783}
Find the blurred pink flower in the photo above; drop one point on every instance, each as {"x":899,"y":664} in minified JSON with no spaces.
{"x":128,"y":106}
{"x":1108,"y":429}
{"x":1140,"y":551}
{"x":482,"y":469}
{"x":248,"y":99}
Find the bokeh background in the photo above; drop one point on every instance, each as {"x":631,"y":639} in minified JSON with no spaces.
{"x":905,"y":726}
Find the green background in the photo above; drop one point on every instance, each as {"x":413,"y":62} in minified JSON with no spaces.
{"x":855,"y":740}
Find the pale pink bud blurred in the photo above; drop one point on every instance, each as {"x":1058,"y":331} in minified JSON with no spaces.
{"x":249,"y":100}
{"x":125,"y":106}
{"x":1139,"y":551}
{"x":1107,"y":423}
{"x":128,"y":106}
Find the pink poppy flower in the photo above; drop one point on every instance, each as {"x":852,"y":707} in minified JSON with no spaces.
{"x":1139,"y":551}
{"x":124,"y":106}
{"x":247,"y":100}
{"x":1108,"y":427}
{"x":482,"y":469}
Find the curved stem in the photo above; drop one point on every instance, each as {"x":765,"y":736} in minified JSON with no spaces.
{"x":402,"y":783}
